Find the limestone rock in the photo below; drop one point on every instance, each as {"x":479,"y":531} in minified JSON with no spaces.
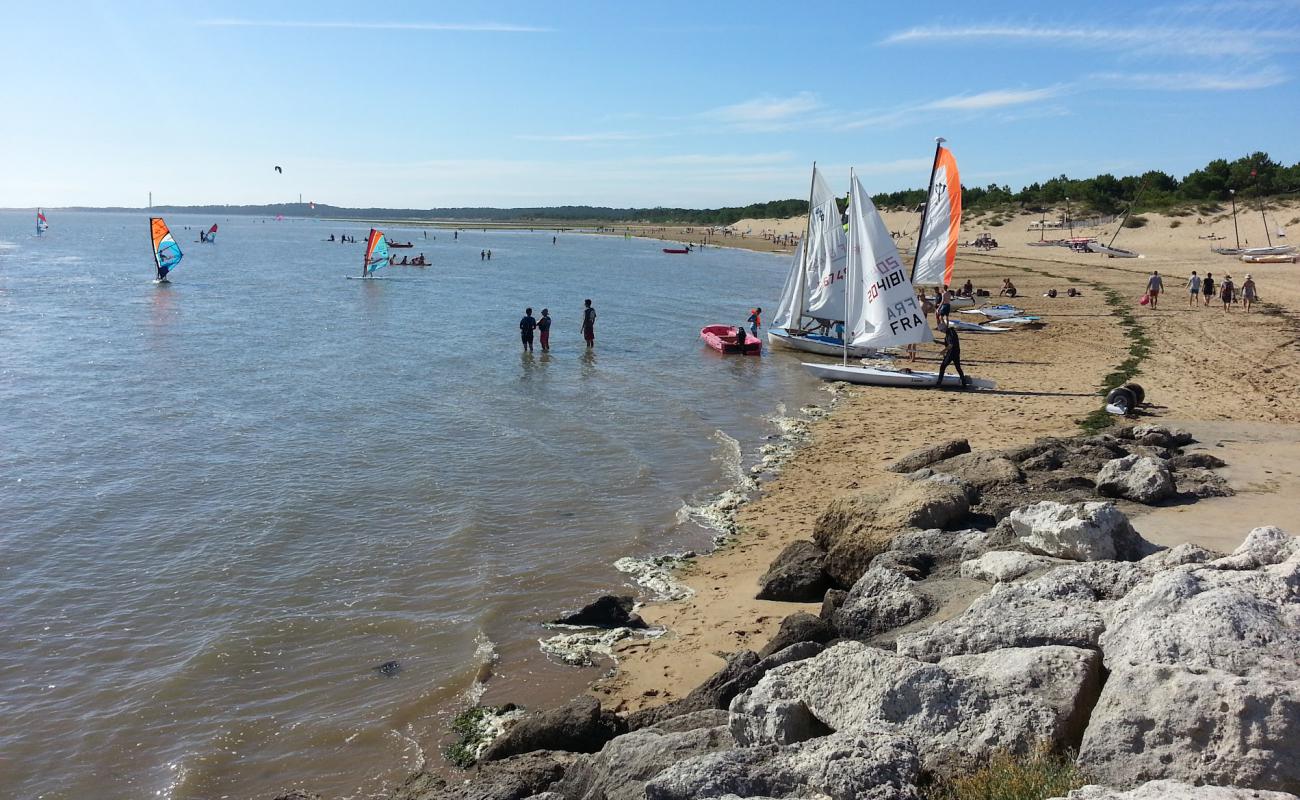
{"x":1199,"y":460}
{"x":880,"y":601}
{"x":834,"y":599}
{"x":1162,"y":436}
{"x":999,"y":566}
{"x":1202,"y":483}
{"x":1173,"y":790}
{"x":509,"y":779}
{"x":983,"y":470}
{"x":856,"y":528}
{"x":622,"y":767}
{"x":799,"y":627}
{"x":797,"y":575}
{"x":956,"y":712}
{"x":1138,"y":478}
{"x":1263,"y":547}
{"x":1082,"y":532}
{"x":578,"y":727}
{"x":708,"y":718}
{"x":926,"y":456}
{"x":607,"y":611}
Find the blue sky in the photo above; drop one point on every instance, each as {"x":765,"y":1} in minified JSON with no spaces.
{"x":409,"y":104}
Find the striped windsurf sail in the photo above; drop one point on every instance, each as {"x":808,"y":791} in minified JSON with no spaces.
{"x":41,"y":225}
{"x":937,"y":244}
{"x":376,"y":253}
{"x":166,"y":253}
{"x":212,"y":233}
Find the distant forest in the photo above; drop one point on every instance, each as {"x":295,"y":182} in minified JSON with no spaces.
{"x":1253,"y":176}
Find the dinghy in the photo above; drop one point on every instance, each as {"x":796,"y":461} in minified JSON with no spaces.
{"x":166,"y":253}
{"x":1279,"y":258}
{"x":676,"y":250}
{"x":375,"y":258}
{"x":1111,"y":252}
{"x":723,"y":339}
{"x":1277,"y":250}
{"x":880,"y":376}
{"x":815,"y":343}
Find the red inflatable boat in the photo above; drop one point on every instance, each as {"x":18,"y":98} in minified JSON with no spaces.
{"x":723,"y":339}
{"x":676,"y":250}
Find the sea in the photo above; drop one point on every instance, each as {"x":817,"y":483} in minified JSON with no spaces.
{"x":227,"y":500}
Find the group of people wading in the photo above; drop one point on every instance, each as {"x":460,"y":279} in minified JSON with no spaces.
{"x":530,"y":324}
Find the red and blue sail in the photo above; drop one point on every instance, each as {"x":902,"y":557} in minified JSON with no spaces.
{"x":166,"y":253}
{"x":41,"y":225}
{"x":376,"y":253}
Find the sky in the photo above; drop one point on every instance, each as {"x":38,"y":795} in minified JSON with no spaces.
{"x":429,"y":104}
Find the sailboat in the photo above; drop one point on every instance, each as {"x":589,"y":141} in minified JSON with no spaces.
{"x":41,"y":225}
{"x":375,"y":258}
{"x":816,"y":287}
{"x":936,"y":241}
{"x":166,"y":253}
{"x":881,"y":307}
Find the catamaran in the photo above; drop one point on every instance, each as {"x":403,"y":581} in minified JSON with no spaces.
{"x":41,"y":225}
{"x":375,"y":258}
{"x":881,"y":306}
{"x":816,"y":287}
{"x":166,"y":253}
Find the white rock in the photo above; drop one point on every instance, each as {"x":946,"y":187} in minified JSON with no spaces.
{"x":1082,"y":531}
{"x":1173,"y":790}
{"x":879,"y":601}
{"x":1142,"y":479}
{"x":998,"y":566}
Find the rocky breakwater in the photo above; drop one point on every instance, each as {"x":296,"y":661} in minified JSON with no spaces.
{"x":986,"y":603}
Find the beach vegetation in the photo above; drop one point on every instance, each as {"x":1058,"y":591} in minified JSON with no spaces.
{"x":471,"y":731}
{"x":1037,"y":775}
{"x":1175,"y":223}
{"x":1135,"y":221}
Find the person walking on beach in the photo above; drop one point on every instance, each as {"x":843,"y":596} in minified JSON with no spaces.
{"x":1193,"y":289}
{"x":755,"y":320}
{"x":1248,"y":293}
{"x":1227,"y":292}
{"x":544,"y":328}
{"x":526,"y":327}
{"x":1154,"y":287}
{"x":951,"y":355}
{"x":588,"y":323}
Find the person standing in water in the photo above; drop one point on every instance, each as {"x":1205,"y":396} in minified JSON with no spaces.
{"x":588,"y":323}
{"x":544,"y":328}
{"x":489,"y":255}
{"x":951,"y":355}
{"x":1154,"y":287}
{"x":755,"y":320}
{"x":526,"y":326}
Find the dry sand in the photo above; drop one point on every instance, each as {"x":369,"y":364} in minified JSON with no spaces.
{"x":1232,"y":378}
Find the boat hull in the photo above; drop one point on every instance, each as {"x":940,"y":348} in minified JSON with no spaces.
{"x":1276,"y":258}
{"x":676,"y":250}
{"x":722,"y":339}
{"x":995,"y":312}
{"x":1111,"y":252}
{"x":814,"y":343}
{"x":973,"y":327}
{"x":876,"y":376}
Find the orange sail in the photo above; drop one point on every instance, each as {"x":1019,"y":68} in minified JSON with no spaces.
{"x":166,"y":253}
{"x":940,"y":224}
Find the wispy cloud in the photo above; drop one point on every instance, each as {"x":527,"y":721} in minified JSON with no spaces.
{"x":580,"y":138}
{"x":1195,"y":81}
{"x":998,"y":98}
{"x":1197,"y":40}
{"x":767,"y":112}
{"x":473,"y":27}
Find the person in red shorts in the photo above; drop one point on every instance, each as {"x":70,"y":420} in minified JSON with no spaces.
{"x":544,"y":329}
{"x":589,"y":323}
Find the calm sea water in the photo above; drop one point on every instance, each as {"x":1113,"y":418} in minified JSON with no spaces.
{"x":224,"y":501}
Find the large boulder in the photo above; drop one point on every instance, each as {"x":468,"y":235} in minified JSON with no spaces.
{"x":1160,"y":436}
{"x":1204,"y":682}
{"x":1141,"y":479}
{"x":622,"y":767}
{"x":1080,"y":531}
{"x":607,"y":611}
{"x":957,"y":712}
{"x":797,"y":575}
{"x":799,"y":627}
{"x":577,"y":727}
{"x":856,"y":528}
{"x":517,"y":777}
{"x":999,"y":566}
{"x":1173,"y":790}
{"x":1197,"y":460}
{"x":926,"y":456}
{"x":873,"y":763}
{"x":983,"y":470}
{"x":880,"y":601}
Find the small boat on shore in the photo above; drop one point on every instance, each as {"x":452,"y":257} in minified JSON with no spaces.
{"x":880,"y":376}
{"x":995,"y":312}
{"x":1111,"y":252}
{"x":975,"y":327}
{"x":723,"y":338}
{"x":815,"y":343}
{"x":1277,"y":258}
{"x":677,"y":250}
{"x":1276,"y":250}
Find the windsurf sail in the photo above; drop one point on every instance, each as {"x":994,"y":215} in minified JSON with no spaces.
{"x":41,"y":225}
{"x":212,"y":233}
{"x":882,"y":307}
{"x":166,"y":253}
{"x":376,"y":253}
{"x":936,"y":246}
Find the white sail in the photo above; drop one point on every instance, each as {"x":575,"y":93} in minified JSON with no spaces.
{"x":937,"y":245}
{"x":827,"y":253}
{"x":882,"y":307}
{"x":786,"y":311}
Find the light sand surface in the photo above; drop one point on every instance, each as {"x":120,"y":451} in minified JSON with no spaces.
{"x":1232,"y":378}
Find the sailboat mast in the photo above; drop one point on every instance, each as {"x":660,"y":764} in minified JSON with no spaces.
{"x":1232,"y":193}
{"x":803,"y":264}
{"x":1267,"y":235}
{"x":925,"y":209}
{"x":1127,"y":211}
{"x":848,"y":271}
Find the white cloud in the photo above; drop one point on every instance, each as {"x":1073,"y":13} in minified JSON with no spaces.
{"x":1158,"y":39}
{"x":998,"y":98}
{"x":606,"y":136}
{"x":474,"y":27}
{"x":1195,"y":81}
{"x":767,"y":110}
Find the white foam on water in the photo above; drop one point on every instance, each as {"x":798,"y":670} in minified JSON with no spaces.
{"x":485,"y":658}
{"x":656,"y":576}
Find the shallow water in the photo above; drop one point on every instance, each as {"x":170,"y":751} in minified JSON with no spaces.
{"x":225,"y":500}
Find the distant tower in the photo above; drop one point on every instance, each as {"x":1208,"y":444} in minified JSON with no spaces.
{"x":151,"y":200}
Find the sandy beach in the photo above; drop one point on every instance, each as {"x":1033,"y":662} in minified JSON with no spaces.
{"x":1231,"y":378}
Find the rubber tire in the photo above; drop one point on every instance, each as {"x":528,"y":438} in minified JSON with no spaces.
{"x":1122,"y":398}
{"x":1138,"y":392}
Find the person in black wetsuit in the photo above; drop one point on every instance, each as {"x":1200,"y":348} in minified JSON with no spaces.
{"x":951,"y":355}
{"x":526,"y":326}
